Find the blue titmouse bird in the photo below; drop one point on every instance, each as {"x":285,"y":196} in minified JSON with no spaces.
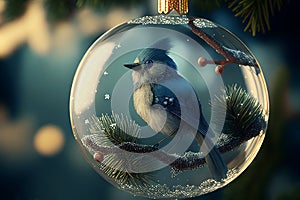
{"x":160,"y":97}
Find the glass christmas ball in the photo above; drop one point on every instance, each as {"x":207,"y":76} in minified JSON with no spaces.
{"x":169,"y":106}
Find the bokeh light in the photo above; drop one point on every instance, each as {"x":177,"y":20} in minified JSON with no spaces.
{"x":49,"y":140}
{"x":32,"y":28}
{"x":14,"y":136}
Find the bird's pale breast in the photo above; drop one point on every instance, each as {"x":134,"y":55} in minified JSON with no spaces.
{"x":143,"y":98}
{"x":154,"y":115}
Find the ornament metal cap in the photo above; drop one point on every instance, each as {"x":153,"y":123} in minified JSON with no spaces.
{"x":166,"y":6}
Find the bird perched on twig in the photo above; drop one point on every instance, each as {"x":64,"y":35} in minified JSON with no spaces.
{"x":168,"y":103}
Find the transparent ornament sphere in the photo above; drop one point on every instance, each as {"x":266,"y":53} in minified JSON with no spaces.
{"x":169,"y":106}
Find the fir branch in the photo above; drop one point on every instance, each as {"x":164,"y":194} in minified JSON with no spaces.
{"x":110,"y":132}
{"x":187,"y":161}
{"x":244,"y":115}
{"x":115,"y":129}
{"x":244,"y":120}
{"x":256,"y":14}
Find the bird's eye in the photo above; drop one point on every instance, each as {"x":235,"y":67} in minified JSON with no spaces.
{"x":149,"y":63}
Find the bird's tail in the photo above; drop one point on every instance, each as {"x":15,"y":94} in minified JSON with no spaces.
{"x":214,"y":161}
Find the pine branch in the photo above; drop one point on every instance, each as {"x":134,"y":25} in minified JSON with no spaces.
{"x":180,"y":163}
{"x":256,"y":14}
{"x":244,"y":115}
{"x":109,"y":132}
{"x":114,"y":149}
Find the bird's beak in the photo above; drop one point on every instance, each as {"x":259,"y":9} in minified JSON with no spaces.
{"x":132,"y":66}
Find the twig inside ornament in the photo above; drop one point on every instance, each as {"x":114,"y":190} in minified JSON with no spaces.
{"x":202,"y":62}
{"x":231,"y":56}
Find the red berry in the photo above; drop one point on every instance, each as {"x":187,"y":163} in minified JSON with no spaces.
{"x":219,"y":69}
{"x":202,"y":62}
{"x":99,"y":157}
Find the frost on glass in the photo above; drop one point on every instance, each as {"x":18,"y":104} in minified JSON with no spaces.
{"x":126,"y":151}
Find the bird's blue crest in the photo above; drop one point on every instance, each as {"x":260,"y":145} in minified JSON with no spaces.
{"x":158,"y":52}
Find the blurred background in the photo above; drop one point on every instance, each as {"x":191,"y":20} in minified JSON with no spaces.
{"x":41,"y":45}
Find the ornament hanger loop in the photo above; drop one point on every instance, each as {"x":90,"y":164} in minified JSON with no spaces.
{"x":166,"y":6}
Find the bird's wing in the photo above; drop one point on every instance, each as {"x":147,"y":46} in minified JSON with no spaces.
{"x":184,"y":104}
{"x":188,"y":108}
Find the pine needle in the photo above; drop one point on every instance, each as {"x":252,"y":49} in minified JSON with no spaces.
{"x":244,"y":115}
{"x":112,"y":131}
{"x":255,"y":13}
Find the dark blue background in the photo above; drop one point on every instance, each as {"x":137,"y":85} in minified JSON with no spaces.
{"x":35,"y":89}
